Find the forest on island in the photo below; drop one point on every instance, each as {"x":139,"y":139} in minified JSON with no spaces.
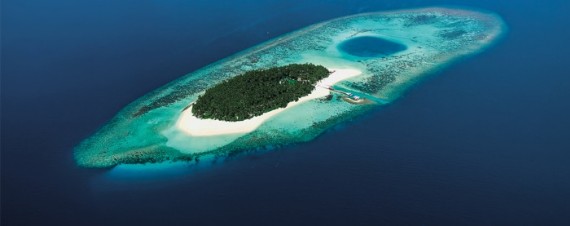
{"x":258,"y":91}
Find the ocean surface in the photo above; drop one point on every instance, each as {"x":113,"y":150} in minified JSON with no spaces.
{"x":485,"y":141}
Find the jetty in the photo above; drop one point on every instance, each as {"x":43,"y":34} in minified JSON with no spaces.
{"x":353,"y":97}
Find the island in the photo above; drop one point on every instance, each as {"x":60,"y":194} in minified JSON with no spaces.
{"x":297,"y":90}
{"x":290,"y":89}
{"x":258,"y":91}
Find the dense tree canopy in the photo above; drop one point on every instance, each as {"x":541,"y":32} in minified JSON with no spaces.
{"x":256,"y":92}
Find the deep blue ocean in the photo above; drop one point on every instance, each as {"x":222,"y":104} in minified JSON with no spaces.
{"x":484,"y":142}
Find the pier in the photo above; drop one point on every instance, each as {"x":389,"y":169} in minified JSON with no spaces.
{"x":348,"y":95}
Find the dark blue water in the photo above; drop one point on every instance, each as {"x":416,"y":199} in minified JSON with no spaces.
{"x":484,"y":142}
{"x":367,"y":46}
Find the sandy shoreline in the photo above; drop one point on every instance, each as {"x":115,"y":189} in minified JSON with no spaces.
{"x":194,"y":126}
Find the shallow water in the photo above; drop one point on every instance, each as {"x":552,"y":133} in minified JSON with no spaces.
{"x":428,"y":39}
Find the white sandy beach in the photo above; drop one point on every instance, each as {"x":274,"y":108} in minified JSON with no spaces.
{"x":194,"y":126}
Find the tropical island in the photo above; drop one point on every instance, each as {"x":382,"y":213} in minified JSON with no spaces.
{"x":295,"y":89}
{"x":258,"y":91}
{"x":289,"y":89}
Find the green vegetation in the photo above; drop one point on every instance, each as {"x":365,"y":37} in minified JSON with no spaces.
{"x":256,"y":92}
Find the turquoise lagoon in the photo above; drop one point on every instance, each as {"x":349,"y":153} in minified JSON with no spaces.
{"x":393,"y":50}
